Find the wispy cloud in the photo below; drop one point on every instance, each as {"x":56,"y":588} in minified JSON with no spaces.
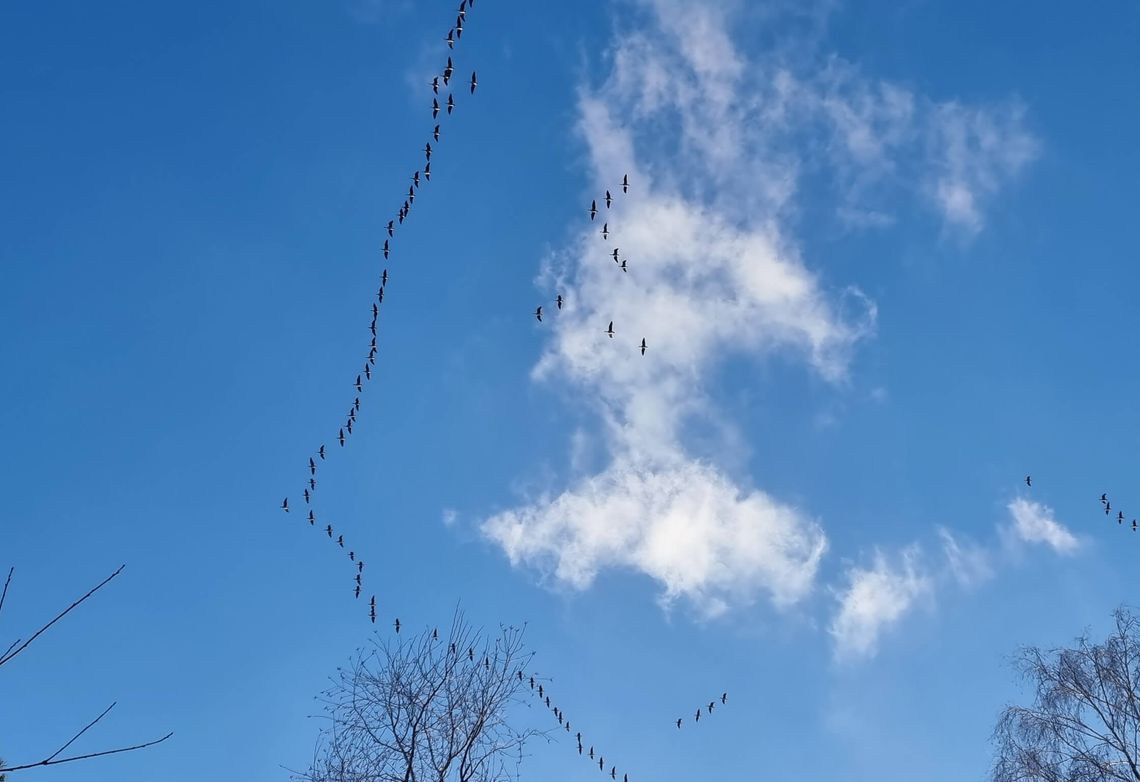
{"x":875,"y":598}
{"x":1032,"y":522}
{"x":970,"y":564}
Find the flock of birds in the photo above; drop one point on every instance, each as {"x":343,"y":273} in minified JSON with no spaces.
{"x":1105,"y":503}
{"x":443,"y":81}
{"x":615,"y":254}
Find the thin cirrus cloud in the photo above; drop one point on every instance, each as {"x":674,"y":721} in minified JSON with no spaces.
{"x":875,"y":598}
{"x":715,"y":144}
{"x":1034,"y":523}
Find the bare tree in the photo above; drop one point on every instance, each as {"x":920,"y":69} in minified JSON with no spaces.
{"x":425,"y":707}
{"x":1084,"y":725}
{"x":19,"y":645}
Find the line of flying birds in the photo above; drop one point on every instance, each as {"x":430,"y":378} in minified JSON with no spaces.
{"x":366,"y":373}
{"x":615,"y":254}
{"x":1104,"y":502}
{"x":710,"y":707}
{"x":419,"y":176}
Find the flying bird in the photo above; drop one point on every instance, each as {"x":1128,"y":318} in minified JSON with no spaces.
{"x":606,"y":231}
{"x":321,"y":452}
{"x":312,"y":518}
{"x":711,"y":704}
{"x":724,"y":698}
{"x":623,"y":267}
{"x":416,"y":179}
{"x":1028,"y":481}
{"x":593,"y":209}
{"x":397,"y":624}
{"x":351,"y":556}
{"x":450,"y":103}
{"x":450,"y":39}
{"x":391,"y":228}
{"x":435,"y":85}
{"x":385,"y":248}
{"x":434,"y":114}
{"x":558,"y":301}
{"x":306,"y":496}
{"x":341,"y":438}
{"x":678,"y":723}
{"x":1104,"y":498}
{"x":340,"y":540}
{"x":328,"y":530}
{"x":358,"y":591}
{"x":538,"y":314}
{"x":359,"y":385}
{"x":625,"y":183}
{"x":313,"y":484}
{"x":383,"y":281}
{"x":360,"y":566}
{"x":448,"y":71}
{"x":615,"y":254}
{"x":427,"y":150}
{"x":435,"y":135}
{"x":285,"y":504}
{"x":643,"y":346}
{"x":609,"y":199}
{"x":427,"y":167}
{"x":312,"y":467}
{"x":698,"y":717}
{"x":610,"y":330}
{"x":1134,"y":525}
{"x":474,"y":83}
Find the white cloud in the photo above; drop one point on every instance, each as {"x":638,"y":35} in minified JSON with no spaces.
{"x":876,"y":598}
{"x":449,"y":517}
{"x":1033,"y":522}
{"x":685,"y":525}
{"x":715,"y":144}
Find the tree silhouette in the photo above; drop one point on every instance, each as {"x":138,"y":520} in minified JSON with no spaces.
{"x":424,"y":707}
{"x":19,"y":645}
{"x":1084,"y":725}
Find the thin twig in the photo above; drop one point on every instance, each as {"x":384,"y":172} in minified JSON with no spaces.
{"x":4,"y":594}
{"x":22,"y":647}
{"x":86,"y":757}
{"x":80,"y":733}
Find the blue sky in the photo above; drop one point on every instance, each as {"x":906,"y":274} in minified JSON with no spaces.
{"x":883,"y":257}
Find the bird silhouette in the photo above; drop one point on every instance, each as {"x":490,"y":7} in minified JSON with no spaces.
{"x":678,"y":724}
{"x":471,"y":657}
{"x":610,"y":330}
{"x":711,"y":704}
{"x":623,"y":268}
{"x":356,"y":404}
{"x":351,"y":556}
{"x":450,"y":39}
{"x":558,"y":301}
{"x":427,"y":166}
{"x":321,"y":452}
{"x":313,"y":484}
{"x":434,"y":114}
{"x":285,"y":504}
{"x":625,"y":183}
{"x":416,"y":179}
{"x":538,"y":314}
{"x":447,"y":71}
{"x":1028,"y":481}
{"x":397,"y":624}
{"x":435,"y":634}
{"x":609,"y":199}
{"x":391,"y":228}
{"x":306,"y":494}
{"x":474,"y":83}
{"x":1104,"y":498}
{"x":593,"y":209}
{"x":360,"y":566}
{"x":435,"y":136}
{"x":459,"y":27}
{"x":450,"y":103}
{"x":312,"y":518}
{"x":359,"y":385}
{"x":643,"y":346}
{"x":340,"y":541}
{"x":540,"y":690}
{"x":724,"y":698}
{"x":591,"y":753}
{"x":698,"y":717}
{"x":613,"y":772}
{"x":606,"y":231}
{"x":312,"y":467}
{"x":615,"y":254}
{"x":1107,"y":508}
{"x":435,"y":84}
{"x":1134,"y":525}
{"x":1120,"y":517}
{"x":340,"y":437}
{"x":328,"y":530}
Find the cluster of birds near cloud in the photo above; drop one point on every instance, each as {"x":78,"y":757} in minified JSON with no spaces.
{"x":623,"y":263}
{"x":1105,"y":503}
{"x":420,"y":176}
